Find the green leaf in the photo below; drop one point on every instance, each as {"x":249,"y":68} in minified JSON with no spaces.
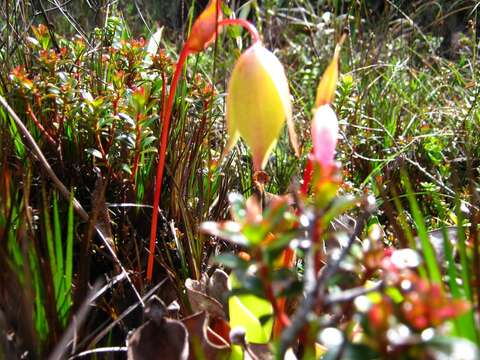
{"x":338,"y":207}
{"x":148,"y":140}
{"x":41,"y":319}
{"x":351,"y":352}
{"x":246,"y":311}
{"x":237,"y":207}
{"x":94,"y":152}
{"x":275,"y":248}
{"x":127,"y":119}
{"x":153,"y":45}
{"x":453,"y":348}
{"x":227,"y":230}
{"x":394,"y":294}
{"x":231,"y":261}
{"x":126,"y":168}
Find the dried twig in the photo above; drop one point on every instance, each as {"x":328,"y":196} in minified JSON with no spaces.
{"x":72,"y":21}
{"x":132,"y":307}
{"x":351,"y":294}
{"x":50,"y":26}
{"x":100,"y":351}
{"x":68,"y":336}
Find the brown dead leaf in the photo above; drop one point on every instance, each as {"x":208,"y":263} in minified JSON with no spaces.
{"x":159,"y":338}
{"x":201,"y":301}
{"x":212,"y":345}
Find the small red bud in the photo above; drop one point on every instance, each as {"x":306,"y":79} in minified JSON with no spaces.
{"x":204,"y":28}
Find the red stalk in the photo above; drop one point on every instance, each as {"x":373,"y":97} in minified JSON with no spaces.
{"x":245,"y":24}
{"x":161,"y":162}
{"x":165,"y":120}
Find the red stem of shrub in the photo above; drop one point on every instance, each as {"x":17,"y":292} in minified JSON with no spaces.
{"x":138,"y":145}
{"x":40,"y":126}
{"x":281,"y":318}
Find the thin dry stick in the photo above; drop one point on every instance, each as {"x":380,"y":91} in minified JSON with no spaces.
{"x":72,"y":21}
{"x":59,"y":351}
{"x":132,"y":307}
{"x":110,"y":349}
{"x":64,"y":191}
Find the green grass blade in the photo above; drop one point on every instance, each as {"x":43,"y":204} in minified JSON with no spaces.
{"x":16,"y":137}
{"x":406,"y":229}
{"x":13,"y":246}
{"x":57,"y":232}
{"x":448,"y":251}
{"x":464,"y":261}
{"x":471,"y":331}
{"x":56,"y":277}
{"x":463,"y":324}
{"x":468,"y":318}
{"x":427,"y":248}
{"x":69,"y":255}
{"x":41,"y":320}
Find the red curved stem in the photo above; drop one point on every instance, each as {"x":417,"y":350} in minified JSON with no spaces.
{"x":245,"y":24}
{"x":161,"y":162}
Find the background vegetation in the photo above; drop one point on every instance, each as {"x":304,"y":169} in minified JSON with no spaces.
{"x":79,"y":77}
